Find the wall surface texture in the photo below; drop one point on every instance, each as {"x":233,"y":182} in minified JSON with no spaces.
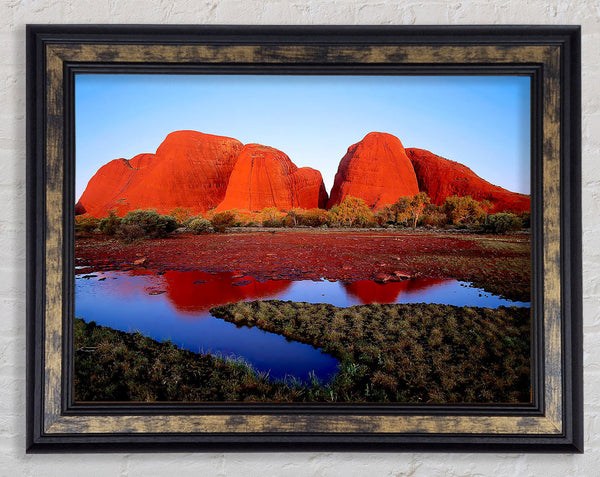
{"x":15,"y":14}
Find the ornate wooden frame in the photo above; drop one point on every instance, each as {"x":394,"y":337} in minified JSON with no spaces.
{"x":549,"y":55}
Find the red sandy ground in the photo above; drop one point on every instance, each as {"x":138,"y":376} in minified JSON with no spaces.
{"x":331,"y":254}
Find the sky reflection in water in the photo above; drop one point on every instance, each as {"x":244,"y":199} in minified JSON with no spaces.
{"x":175,"y":306}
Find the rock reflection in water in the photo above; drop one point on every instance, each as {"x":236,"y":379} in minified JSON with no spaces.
{"x":175,"y":305}
{"x":196,"y":292}
{"x":368,"y":291}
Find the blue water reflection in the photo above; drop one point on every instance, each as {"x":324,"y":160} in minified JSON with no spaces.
{"x":175,"y":306}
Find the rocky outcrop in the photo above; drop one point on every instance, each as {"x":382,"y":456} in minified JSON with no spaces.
{"x":266,"y":177}
{"x":190,"y":169}
{"x":107,"y":189}
{"x":441,"y":178}
{"x":200,"y":171}
{"x":376,"y":170}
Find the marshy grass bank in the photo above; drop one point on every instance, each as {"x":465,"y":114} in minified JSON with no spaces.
{"x":411,"y":353}
{"x":408,"y":353}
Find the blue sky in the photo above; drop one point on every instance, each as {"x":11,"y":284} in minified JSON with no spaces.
{"x":482,"y":122}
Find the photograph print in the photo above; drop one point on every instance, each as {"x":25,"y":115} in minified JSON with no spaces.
{"x":302,"y":239}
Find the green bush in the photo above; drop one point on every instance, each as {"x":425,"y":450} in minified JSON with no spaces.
{"x":288,"y":221}
{"x":110,"y":224}
{"x":199,"y":226}
{"x":150,"y":222}
{"x":183,"y":215}
{"x":130,"y":232}
{"x":385,"y":216}
{"x":293,"y":218}
{"x":526,"y":219}
{"x":432,"y":216}
{"x":313,"y":217}
{"x":462,"y":210}
{"x":352,"y":212}
{"x":86,"y":224}
{"x":503,"y":222}
{"x":271,"y":217}
{"x":272,"y":222}
{"x":221,"y":221}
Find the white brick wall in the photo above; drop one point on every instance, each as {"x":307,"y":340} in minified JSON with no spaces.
{"x":14,"y":14}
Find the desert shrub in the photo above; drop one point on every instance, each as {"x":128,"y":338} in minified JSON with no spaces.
{"x":486,"y":206}
{"x":86,"y":224}
{"x":200,"y":226}
{"x":182,"y":215}
{"x":271,"y":217}
{"x":293,"y":218}
{"x":525,"y":217}
{"x":417,"y":205}
{"x":150,"y":222}
{"x":385,"y":216}
{"x":287,"y":221}
{"x":352,"y":212}
{"x":313,"y":217}
{"x":248,"y":221}
{"x":189,"y":220}
{"x":462,"y":210}
{"x":130,"y":232}
{"x":221,"y":221}
{"x":400,"y":211}
{"x":243,"y":218}
{"x":432,"y":216}
{"x":503,"y":222}
{"x":110,"y":224}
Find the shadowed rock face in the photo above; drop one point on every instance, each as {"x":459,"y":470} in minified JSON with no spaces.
{"x":441,"y":178}
{"x":266,"y":177}
{"x":190,"y":169}
{"x":376,"y":170}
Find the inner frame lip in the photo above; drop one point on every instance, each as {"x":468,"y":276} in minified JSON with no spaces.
{"x":534,"y":71}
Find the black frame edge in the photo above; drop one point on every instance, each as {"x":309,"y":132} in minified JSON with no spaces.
{"x":35,"y":180}
{"x":571,"y":441}
{"x":573,"y":228}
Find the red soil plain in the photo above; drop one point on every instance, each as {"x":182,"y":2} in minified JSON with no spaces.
{"x":500,"y":264}
{"x":206,"y":173}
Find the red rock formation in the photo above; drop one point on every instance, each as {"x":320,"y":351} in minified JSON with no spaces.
{"x":266,"y":177}
{"x":107,"y":188}
{"x":376,"y":170}
{"x":190,"y":169}
{"x":441,"y":178}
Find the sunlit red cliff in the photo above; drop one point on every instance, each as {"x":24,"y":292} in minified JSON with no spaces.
{"x":376,"y":170}
{"x":441,"y":178}
{"x":266,"y":177}
{"x":202,"y":172}
{"x":189,"y":169}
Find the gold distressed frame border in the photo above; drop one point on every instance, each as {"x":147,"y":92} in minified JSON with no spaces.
{"x":57,"y":424}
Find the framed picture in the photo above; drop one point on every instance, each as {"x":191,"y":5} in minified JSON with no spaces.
{"x":292,"y":238}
